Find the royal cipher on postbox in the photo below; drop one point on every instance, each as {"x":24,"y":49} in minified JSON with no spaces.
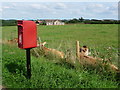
{"x":27,"y":34}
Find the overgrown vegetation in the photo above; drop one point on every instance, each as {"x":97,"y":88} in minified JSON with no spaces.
{"x":47,"y":72}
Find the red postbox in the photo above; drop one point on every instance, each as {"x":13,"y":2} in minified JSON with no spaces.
{"x":27,"y":34}
{"x":27,"y":39}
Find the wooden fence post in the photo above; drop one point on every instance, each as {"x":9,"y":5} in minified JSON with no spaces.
{"x":39,"y":42}
{"x":77,"y":49}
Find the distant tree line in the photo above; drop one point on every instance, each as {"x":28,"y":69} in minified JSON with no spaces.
{"x":8,"y":22}
{"x":71,"y":21}
{"x":102,"y":22}
{"x":92,"y":21}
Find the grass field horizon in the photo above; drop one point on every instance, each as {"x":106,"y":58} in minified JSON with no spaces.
{"x":100,"y":38}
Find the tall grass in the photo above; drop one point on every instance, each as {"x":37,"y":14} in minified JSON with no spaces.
{"x":45,"y":74}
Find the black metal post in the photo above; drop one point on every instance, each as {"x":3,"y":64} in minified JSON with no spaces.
{"x":28,"y":63}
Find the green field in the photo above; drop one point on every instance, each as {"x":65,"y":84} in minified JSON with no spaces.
{"x":46,"y":74}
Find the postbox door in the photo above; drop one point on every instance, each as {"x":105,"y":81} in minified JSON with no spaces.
{"x":30,"y":35}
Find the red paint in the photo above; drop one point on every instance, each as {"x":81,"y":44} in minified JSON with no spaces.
{"x":27,"y":34}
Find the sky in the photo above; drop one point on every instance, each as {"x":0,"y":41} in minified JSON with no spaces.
{"x":59,"y":10}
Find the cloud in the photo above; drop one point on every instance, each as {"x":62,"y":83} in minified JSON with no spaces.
{"x":1,"y":10}
{"x":95,"y":8}
{"x":60,"y":6}
{"x":38,"y":6}
{"x":105,"y":10}
{"x":6,"y":7}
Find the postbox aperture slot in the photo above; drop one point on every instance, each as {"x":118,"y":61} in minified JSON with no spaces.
{"x":20,"y":36}
{"x":20,"y":22}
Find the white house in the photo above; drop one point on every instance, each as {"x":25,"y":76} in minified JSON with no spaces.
{"x":54,"y":22}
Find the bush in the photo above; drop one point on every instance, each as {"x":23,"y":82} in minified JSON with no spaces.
{"x":9,"y":22}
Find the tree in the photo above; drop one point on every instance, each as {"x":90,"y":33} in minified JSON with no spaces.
{"x":81,"y":19}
